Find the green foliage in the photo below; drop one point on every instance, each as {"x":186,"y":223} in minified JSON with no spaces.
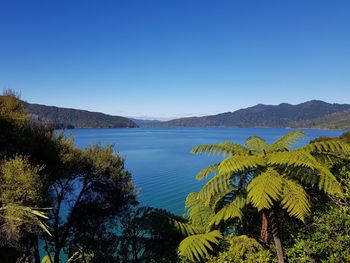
{"x":267,"y":175}
{"x":287,"y":141}
{"x":326,"y":236}
{"x":88,"y":190}
{"x":149,"y":235}
{"x":230,"y":211}
{"x":218,"y":184}
{"x":257,"y":144}
{"x":19,"y":181}
{"x":12,"y":108}
{"x":295,"y":199}
{"x":198,"y":213}
{"x":264,"y":189}
{"x":20,"y":192}
{"x":225,"y":148}
{"x":207,"y":171}
{"x":240,"y":163}
{"x":196,"y":247}
{"x":326,"y":239}
{"x":242,"y":249}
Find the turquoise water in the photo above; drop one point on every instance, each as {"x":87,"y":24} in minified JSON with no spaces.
{"x":160,"y":161}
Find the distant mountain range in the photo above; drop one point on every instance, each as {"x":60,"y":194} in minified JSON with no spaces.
{"x":310,"y":114}
{"x":142,"y":122}
{"x":73,"y":118}
{"x":283,"y":115}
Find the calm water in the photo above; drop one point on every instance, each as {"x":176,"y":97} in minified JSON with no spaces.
{"x":160,"y":161}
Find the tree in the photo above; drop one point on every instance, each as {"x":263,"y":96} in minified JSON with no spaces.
{"x":20,"y":194}
{"x":88,"y":189}
{"x":149,"y":234}
{"x":268,"y":177}
{"x":88,"y":198}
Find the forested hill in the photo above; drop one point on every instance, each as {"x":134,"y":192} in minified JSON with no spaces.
{"x":338,"y":120}
{"x":282,"y":115}
{"x":73,"y":118}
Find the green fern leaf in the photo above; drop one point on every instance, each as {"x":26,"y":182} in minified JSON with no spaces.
{"x":191,"y":200}
{"x":287,"y":141}
{"x":205,"y":172}
{"x":184,"y":228}
{"x":294,"y":199}
{"x":317,"y":174}
{"x":264,"y":189}
{"x":334,"y":145}
{"x":296,"y":158}
{"x":233,"y":210}
{"x":237,"y":163}
{"x":218,"y":184}
{"x":225,"y":148}
{"x":257,"y":144}
{"x":197,"y":247}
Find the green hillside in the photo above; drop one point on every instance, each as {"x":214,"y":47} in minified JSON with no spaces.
{"x":282,"y":115}
{"x":73,"y":118}
{"x":339,"y":120}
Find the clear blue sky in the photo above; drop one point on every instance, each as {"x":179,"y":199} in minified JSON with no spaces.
{"x":175,"y":58}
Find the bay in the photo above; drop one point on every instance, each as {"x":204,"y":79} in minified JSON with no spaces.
{"x":160,"y":161}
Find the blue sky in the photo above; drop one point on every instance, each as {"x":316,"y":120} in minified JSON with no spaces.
{"x":175,"y":58}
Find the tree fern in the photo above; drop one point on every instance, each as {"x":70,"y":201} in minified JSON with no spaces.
{"x":269,"y":175}
{"x":197,"y":247}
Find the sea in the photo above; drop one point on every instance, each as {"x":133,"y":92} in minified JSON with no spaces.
{"x":159,"y":159}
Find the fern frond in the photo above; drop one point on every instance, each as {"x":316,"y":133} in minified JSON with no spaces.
{"x":191,"y":200}
{"x":287,"y":141}
{"x":296,"y":158}
{"x":218,"y":184}
{"x":238,"y":163}
{"x":225,"y":148}
{"x":327,"y":182}
{"x":264,"y":189}
{"x":197,"y":247}
{"x":184,"y":228}
{"x":198,"y":213}
{"x":315,"y":172}
{"x":257,"y":144}
{"x":233,"y":210}
{"x":333,"y":145}
{"x":161,"y":217}
{"x":205,"y":172}
{"x":294,"y":199}
{"x":222,"y":198}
